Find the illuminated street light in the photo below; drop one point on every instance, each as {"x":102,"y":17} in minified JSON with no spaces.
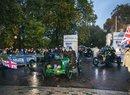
{"x":15,"y":37}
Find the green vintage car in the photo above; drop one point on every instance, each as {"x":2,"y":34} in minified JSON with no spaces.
{"x":65,"y":68}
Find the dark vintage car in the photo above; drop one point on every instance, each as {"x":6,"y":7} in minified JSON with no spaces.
{"x":106,"y":57}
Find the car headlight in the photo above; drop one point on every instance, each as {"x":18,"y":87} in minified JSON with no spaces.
{"x":34,"y":65}
{"x":59,"y":67}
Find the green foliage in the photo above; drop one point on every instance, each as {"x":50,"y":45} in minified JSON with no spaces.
{"x":34,"y":34}
{"x":59,"y":18}
{"x":39,"y":23}
{"x":84,"y":34}
{"x":65,"y":17}
{"x":86,"y":11}
{"x":10,"y":16}
{"x":97,"y":37}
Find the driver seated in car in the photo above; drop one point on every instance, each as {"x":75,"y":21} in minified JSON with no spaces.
{"x":55,"y":63}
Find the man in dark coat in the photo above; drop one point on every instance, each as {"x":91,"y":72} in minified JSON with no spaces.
{"x":47,"y":56}
{"x":64,"y":52}
{"x":72,"y":56}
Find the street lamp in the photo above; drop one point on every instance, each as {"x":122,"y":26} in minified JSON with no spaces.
{"x":15,"y":37}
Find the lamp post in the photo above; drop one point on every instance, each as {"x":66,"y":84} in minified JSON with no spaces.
{"x":15,"y":37}
{"x":115,"y":23}
{"x":21,"y":36}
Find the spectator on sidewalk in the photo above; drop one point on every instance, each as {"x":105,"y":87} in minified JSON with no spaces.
{"x":64,"y":52}
{"x":127,"y":58}
{"x":4,"y":56}
{"x":119,"y":53}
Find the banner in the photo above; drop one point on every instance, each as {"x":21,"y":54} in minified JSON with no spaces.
{"x":117,"y":38}
{"x":22,"y":59}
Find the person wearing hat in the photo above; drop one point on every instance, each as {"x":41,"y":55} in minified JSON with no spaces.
{"x":72,"y":56}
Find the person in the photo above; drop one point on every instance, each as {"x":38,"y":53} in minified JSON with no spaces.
{"x":16,"y":52}
{"x":119,"y":53}
{"x":56,"y":51}
{"x":80,"y":52}
{"x":47,"y":56}
{"x":126,"y":61}
{"x":4,"y":56}
{"x":55,"y":63}
{"x":72,"y":56}
{"x":127,"y":58}
{"x":64,"y":52}
{"x":95,"y":51}
{"x":88,"y":52}
{"x":22,"y":52}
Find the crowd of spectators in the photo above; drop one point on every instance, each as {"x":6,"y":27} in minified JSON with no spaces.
{"x":40,"y":51}
{"x":48,"y":54}
{"x":11,"y":51}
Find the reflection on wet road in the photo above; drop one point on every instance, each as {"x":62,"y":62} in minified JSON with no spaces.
{"x":110,"y":78}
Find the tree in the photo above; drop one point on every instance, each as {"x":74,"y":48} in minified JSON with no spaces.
{"x":122,"y":13}
{"x":10,"y":16}
{"x":65,"y":17}
{"x":97,"y":37}
{"x":32,"y":25}
{"x":84,"y":34}
{"x":34,"y":34}
{"x":87,"y":18}
{"x":17,"y":20}
{"x":86,"y":11}
{"x":57,"y":17}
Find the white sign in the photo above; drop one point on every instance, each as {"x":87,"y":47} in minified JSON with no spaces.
{"x":71,"y":41}
{"x":117,"y":38}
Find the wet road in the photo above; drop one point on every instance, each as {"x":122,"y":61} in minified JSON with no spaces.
{"x":108,"y":78}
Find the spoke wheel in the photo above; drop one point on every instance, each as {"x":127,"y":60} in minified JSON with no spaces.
{"x":95,"y":61}
{"x":69,"y":72}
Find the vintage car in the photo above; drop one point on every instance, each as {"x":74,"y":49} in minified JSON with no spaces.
{"x":65,"y":67}
{"x":106,"y":56}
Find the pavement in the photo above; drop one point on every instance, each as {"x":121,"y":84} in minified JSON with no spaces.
{"x":26,"y":90}
{"x":93,"y":80}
